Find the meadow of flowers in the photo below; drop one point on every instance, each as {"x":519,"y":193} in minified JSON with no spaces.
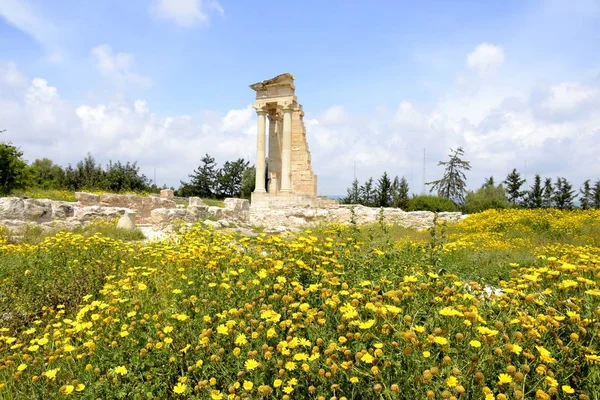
{"x":340,"y":312}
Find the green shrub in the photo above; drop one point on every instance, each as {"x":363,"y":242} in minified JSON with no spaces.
{"x":431,"y":203}
{"x":485,"y":198}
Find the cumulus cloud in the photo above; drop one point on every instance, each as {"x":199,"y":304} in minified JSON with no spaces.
{"x":512,"y":129}
{"x":10,"y":75}
{"x":485,"y":59}
{"x":335,"y":115}
{"x":566,"y":100}
{"x":44,"y":125}
{"x":185,"y":13}
{"x":117,"y":67}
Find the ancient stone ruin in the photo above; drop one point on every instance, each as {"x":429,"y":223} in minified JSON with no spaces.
{"x":290,"y":180}
{"x":285,"y":197}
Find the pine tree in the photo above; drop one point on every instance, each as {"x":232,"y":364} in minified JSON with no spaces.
{"x":394,"y":191}
{"x":513,"y":187}
{"x":534,"y":197}
{"x":548,"y":193}
{"x":383,"y":191}
{"x":489,"y":182}
{"x":248,"y":182}
{"x":402,"y":195}
{"x":352,"y":193}
{"x":203,"y":179}
{"x":587,"y":199}
{"x":453,"y":184}
{"x":563,"y":194}
{"x":366,"y":193}
{"x":229,"y":178}
{"x":596,"y":195}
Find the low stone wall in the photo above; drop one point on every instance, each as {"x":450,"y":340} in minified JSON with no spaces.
{"x":300,"y":217}
{"x":16,"y":212}
{"x":141,"y":205}
{"x":234,"y":210}
{"x":291,"y":200}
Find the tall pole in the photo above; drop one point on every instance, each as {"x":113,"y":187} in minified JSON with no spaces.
{"x":423,"y":192}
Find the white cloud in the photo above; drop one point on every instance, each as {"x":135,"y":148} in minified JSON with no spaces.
{"x":23,"y":16}
{"x":39,"y":121}
{"x":185,"y":13}
{"x":485,"y":59}
{"x":10,"y":75}
{"x":502,"y":131}
{"x":334,"y":115}
{"x":565,"y":100}
{"x":117,"y":67}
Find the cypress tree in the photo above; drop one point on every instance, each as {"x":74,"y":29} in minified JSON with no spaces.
{"x":383,"y":190}
{"x":587,"y":199}
{"x":596,"y":195}
{"x":535,"y":195}
{"x":402,"y":195}
{"x":563,"y":194}
{"x":366,"y":193}
{"x":352,"y":193}
{"x":513,"y":187}
{"x":548,"y":193}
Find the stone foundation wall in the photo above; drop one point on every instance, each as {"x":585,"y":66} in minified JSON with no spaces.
{"x":302,"y":217}
{"x":141,"y":205}
{"x":291,"y":200}
{"x":16,"y":213}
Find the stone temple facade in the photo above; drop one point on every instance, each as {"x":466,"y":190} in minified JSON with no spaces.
{"x":288,"y":180}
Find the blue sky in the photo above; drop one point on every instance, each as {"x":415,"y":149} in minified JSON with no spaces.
{"x":516,"y":83}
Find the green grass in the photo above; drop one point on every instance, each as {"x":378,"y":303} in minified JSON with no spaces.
{"x":172,"y":314}
{"x":51,"y":194}
{"x":34,"y":234}
{"x":214,"y":202}
{"x":65,"y":195}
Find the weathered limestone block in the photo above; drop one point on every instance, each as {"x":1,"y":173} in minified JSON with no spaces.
{"x":167,"y":194}
{"x":301,"y":217}
{"x":451,"y":216}
{"x":60,"y":225}
{"x":121,"y":200}
{"x":62,"y":210}
{"x":237,"y":209}
{"x":38,"y":210}
{"x":14,"y":226}
{"x":142,"y":205}
{"x":127,"y":221}
{"x":86,"y":214}
{"x":195,"y":202}
{"x":12,"y":208}
{"x":87,"y":199}
{"x":198,"y":213}
{"x":340,"y":215}
{"x":216,"y":212}
{"x":163,"y":218}
{"x":151,"y":203}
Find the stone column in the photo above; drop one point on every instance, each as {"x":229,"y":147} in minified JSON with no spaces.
{"x":260,"y":150}
{"x":286,"y":150}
